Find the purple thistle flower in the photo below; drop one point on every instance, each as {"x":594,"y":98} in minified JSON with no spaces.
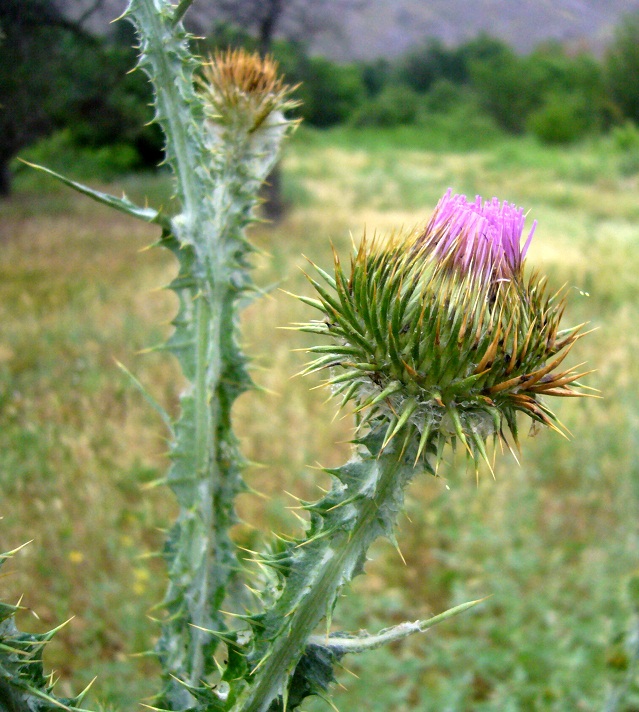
{"x":482,"y":237}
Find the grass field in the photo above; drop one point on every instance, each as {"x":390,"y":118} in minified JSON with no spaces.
{"x":554,"y":541}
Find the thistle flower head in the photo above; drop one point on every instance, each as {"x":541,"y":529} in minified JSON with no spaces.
{"x":239,"y":86}
{"x":438,"y":335}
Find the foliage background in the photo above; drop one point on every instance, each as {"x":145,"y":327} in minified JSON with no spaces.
{"x":59,"y":79}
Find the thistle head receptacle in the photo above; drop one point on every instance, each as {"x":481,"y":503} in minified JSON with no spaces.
{"x":438,"y":336}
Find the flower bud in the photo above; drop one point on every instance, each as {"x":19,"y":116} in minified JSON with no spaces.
{"x":238,"y":86}
{"x":439,"y":335}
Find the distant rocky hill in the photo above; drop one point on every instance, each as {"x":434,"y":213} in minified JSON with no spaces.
{"x":387,"y":28}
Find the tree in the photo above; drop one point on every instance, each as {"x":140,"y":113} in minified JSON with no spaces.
{"x":433,"y":62}
{"x":423,"y":66}
{"x":108,"y":105}
{"x":32,"y":33}
{"x":622,"y":68}
{"x":330,"y":93}
{"x":506,"y":89}
{"x":54,"y":74}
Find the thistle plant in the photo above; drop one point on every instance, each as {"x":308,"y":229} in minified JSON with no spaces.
{"x":437,"y":337}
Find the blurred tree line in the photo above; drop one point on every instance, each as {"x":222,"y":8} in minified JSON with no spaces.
{"x":55,"y":76}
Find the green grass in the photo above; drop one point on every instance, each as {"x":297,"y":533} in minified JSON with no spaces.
{"x":553,"y":541}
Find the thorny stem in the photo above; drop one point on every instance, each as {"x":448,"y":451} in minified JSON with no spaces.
{"x":217,"y":186}
{"x":311,"y":592}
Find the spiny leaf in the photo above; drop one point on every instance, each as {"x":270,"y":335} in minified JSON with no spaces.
{"x":122,"y":205}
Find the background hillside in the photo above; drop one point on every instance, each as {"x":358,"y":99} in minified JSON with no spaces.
{"x":387,"y":28}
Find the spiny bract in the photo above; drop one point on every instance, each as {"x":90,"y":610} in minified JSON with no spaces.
{"x":438,"y":334}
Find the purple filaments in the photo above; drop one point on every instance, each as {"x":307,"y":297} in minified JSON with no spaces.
{"x":482,"y":237}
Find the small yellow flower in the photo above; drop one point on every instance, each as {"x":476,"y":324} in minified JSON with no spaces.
{"x":141,"y":577}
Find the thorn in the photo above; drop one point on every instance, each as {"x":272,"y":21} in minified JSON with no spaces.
{"x":241,"y":616}
{"x":390,"y":431}
{"x":294,"y":496}
{"x":410,"y":406}
{"x":9,"y":554}
{"x":422,"y":442}
{"x":399,"y":551}
{"x":316,"y":537}
{"x":216,"y":634}
{"x":328,"y":701}
{"x":459,"y":429}
{"x":299,"y":517}
{"x":152,"y":484}
{"x":259,"y":665}
{"x":81,"y":696}
{"x":350,"y":672}
{"x":343,"y":503}
{"x":479,"y":444}
{"x":52,"y":632}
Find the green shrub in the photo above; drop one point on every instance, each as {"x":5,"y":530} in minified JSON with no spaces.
{"x":622,"y":68}
{"x":625,"y":140}
{"x":626,"y":137}
{"x":394,"y":106}
{"x":54,"y":76}
{"x":445,"y":96}
{"x":62,"y":153}
{"x":560,"y":120}
{"x":512,"y":89}
{"x":109,"y":104}
{"x":506,"y":92}
{"x":422,"y":67}
{"x":330,"y":92}
{"x":463,"y":128}
{"x":376,"y":75}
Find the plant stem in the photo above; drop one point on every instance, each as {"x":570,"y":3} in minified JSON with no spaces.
{"x":352,"y":518}
{"x":217,"y":183}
